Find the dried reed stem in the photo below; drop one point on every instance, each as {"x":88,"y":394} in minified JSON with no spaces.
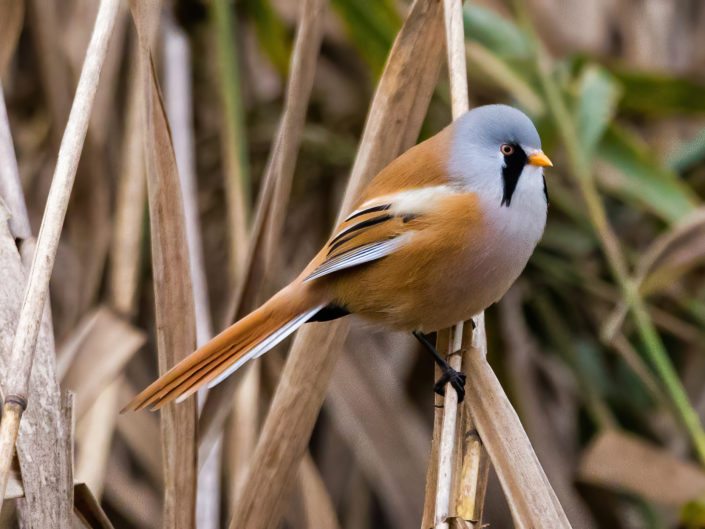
{"x":10,"y":185}
{"x":531,"y":499}
{"x":33,"y":305}
{"x":130,"y":203}
{"x":446,"y":448}
{"x":393,"y":124}
{"x":455,"y":47}
{"x":178,"y":101}
{"x":171,"y":269}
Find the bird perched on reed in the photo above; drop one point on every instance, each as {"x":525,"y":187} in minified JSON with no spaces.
{"x":438,"y":235}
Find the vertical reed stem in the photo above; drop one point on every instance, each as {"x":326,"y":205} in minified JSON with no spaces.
{"x":446,"y":448}
{"x":10,"y":185}
{"x":455,"y":46}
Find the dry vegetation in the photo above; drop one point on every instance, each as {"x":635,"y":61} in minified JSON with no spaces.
{"x":223,"y":139}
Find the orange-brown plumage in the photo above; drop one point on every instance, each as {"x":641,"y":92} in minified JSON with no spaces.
{"x":436,"y":237}
{"x":423,"y":165}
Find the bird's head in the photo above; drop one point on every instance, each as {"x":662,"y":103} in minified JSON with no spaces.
{"x":496,"y":151}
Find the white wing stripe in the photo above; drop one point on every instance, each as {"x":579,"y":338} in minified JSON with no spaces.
{"x":363,"y":254}
{"x":409,"y":202}
{"x":365,"y":210}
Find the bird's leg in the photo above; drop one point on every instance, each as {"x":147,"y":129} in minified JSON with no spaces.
{"x":456,"y":378}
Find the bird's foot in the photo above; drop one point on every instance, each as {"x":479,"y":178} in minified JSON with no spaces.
{"x":456,"y":379}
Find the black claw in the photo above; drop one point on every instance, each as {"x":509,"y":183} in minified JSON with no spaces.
{"x":456,"y":379}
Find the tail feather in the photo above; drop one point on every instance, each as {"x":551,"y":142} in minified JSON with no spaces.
{"x":248,"y":338}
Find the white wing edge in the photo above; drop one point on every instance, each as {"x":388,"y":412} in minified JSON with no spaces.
{"x":363,"y":254}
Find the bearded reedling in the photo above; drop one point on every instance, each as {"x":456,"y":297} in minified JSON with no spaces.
{"x":438,"y":236}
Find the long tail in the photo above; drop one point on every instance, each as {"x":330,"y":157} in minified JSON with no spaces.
{"x":248,"y":338}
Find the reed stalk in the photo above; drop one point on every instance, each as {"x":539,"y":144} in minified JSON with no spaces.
{"x":10,"y":185}
{"x":171,"y":270}
{"x":449,"y":435}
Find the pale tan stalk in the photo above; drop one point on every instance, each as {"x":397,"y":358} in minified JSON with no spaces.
{"x":94,"y":435}
{"x":52,"y":222}
{"x":10,"y":185}
{"x":47,"y":473}
{"x":531,"y":499}
{"x":446,"y":448}
{"x":130,"y":203}
{"x":171,"y":269}
{"x":178,"y":101}
{"x":451,"y":436}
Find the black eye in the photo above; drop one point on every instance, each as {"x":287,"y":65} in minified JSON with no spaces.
{"x":507,"y":149}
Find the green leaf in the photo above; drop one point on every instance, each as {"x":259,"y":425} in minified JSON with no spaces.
{"x":494,"y":32}
{"x":565,"y":238}
{"x":598,"y":94}
{"x":688,"y":153}
{"x":271,"y":33}
{"x":693,"y":514}
{"x":642,"y":179}
{"x":491,"y":67}
{"x":658,"y":94}
{"x":372,"y":26}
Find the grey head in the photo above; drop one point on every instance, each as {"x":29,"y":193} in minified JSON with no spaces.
{"x":496,"y":151}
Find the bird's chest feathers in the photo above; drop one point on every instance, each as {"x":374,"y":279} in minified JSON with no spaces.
{"x":500,"y":249}
{"x":517,"y":226}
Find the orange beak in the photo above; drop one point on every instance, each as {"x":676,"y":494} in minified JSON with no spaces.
{"x":540,"y":159}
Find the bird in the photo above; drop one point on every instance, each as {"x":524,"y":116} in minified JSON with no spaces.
{"x":437,"y":236}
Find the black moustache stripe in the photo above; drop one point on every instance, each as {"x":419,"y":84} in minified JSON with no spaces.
{"x":513,"y":166}
{"x":545,"y":190}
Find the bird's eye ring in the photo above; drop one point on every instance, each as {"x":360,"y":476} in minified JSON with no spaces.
{"x":507,"y":149}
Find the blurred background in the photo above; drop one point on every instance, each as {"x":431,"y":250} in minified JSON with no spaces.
{"x":631,"y":74}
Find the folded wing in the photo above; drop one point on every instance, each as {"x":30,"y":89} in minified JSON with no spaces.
{"x":378,"y":228}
